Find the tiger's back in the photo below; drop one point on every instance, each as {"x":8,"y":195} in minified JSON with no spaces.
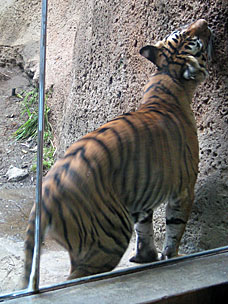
{"x":116,"y":176}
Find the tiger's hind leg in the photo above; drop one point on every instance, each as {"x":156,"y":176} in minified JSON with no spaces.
{"x":146,"y":251}
{"x":87,"y":268}
{"x":100,"y":255}
{"x":177,"y":213}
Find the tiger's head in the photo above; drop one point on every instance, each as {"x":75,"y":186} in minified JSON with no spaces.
{"x":184,"y":53}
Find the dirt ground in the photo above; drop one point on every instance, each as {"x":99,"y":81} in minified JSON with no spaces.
{"x":16,"y":198}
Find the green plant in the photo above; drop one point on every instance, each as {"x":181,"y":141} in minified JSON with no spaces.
{"x":29,"y":128}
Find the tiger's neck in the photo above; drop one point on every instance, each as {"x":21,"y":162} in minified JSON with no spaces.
{"x":164,"y":89}
{"x":165,"y":92}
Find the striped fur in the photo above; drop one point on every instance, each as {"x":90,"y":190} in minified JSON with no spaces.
{"x":115,"y":176}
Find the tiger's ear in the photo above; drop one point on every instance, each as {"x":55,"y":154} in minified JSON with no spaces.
{"x":150,"y":52}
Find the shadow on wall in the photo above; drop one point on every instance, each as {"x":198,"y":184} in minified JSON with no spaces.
{"x":208,"y":224}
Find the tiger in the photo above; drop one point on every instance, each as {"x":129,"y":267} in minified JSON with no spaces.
{"x":110,"y":181}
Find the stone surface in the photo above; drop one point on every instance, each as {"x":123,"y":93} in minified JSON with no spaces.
{"x":15,"y":174}
{"x":188,"y":281}
{"x":107,"y":79}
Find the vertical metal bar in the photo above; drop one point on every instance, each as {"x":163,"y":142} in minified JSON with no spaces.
{"x":35,"y":271}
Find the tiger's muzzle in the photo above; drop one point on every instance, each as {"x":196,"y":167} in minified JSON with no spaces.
{"x":201,"y":30}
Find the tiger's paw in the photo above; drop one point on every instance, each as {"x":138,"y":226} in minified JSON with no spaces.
{"x":169,"y":253}
{"x":163,"y":257}
{"x":141,"y":259}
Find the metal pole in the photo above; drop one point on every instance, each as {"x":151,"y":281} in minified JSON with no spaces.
{"x":35,"y":271}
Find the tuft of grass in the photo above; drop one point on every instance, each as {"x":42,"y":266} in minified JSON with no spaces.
{"x":29,"y":128}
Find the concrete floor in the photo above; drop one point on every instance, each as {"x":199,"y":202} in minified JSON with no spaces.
{"x":156,"y":284}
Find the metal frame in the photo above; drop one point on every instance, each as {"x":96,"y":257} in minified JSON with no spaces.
{"x":112,"y":274}
{"x":35,"y":270}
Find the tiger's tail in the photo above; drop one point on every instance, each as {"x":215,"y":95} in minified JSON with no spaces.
{"x":30,"y":242}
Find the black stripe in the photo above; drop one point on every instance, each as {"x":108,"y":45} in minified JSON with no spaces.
{"x":100,"y":177}
{"x":67,"y":165}
{"x":204,"y":59}
{"x":94,"y":175}
{"x":167,"y":50}
{"x":110,"y":251}
{"x":123,"y":216}
{"x":175,"y":40}
{"x":63,"y":221}
{"x":175,"y":74}
{"x":32,"y":221}
{"x":78,"y":204}
{"x":82,"y":230}
{"x":152,"y":86}
{"x":30,"y":232}
{"x":95,"y":178}
{"x":198,"y":54}
{"x":102,"y":145}
{"x":176,"y":63}
{"x":179,"y":130}
{"x":94,"y":230}
{"x":184,"y":59}
{"x":172,"y":47}
{"x":175,"y":221}
{"x":187,"y":47}
{"x":167,"y":58}
{"x":124,"y":162}
{"x":29,"y":246}
{"x":74,"y":153}
{"x":185,"y":53}
{"x":167,"y":91}
{"x":148,"y":169}
{"x":135,"y":154}
{"x":109,"y":233}
{"x":46,"y":191}
{"x":192,"y":43}
{"x":102,"y":130}
{"x":87,"y":193}
{"x":162,"y":187}
{"x":155,"y":105}
{"x":127,"y":114}
{"x":124,"y":169}
{"x":186,"y":165}
{"x":57,"y":178}
{"x":153,"y":191}
{"x":90,"y":253}
{"x":48,"y":214}
{"x":119,"y":145}
{"x":172,"y":73}
{"x":191,"y":159}
{"x":148,"y":219}
{"x":87,"y":267}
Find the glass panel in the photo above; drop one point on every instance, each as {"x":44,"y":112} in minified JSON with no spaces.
{"x":208,"y":221}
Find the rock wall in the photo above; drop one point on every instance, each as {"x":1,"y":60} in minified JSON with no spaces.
{"x":108,"y":76}
{"x":20,"y":29}
{"x":96,"y":73}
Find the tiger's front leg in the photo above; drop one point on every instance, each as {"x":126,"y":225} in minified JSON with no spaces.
{"x":177,"y":214}
{"x":146,"y":251}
